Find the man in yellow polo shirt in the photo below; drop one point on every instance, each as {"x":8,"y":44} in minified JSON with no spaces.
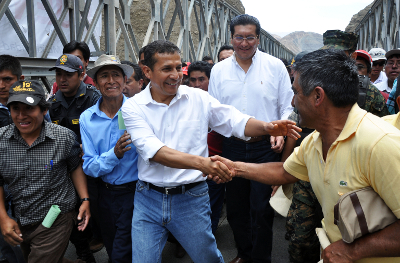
{"x":350,"y":149}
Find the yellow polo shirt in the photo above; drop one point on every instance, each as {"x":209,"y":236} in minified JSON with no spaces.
{"x":393,"y":119}
{"x":366,"y":153}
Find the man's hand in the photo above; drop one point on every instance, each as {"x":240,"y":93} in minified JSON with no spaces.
{"x":274,"y":189}
{"x":283,"y":128}
{"x":215,"y":168}
{"x":10,"y":230}
{"x":277,"y":143}
{"x":228,"y":164}
{"x":84,"y":215}
{"x":338,"y":252}
{"x":120,"y":148}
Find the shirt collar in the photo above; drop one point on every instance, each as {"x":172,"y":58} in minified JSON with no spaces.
{"x":146,"y":97}
{"x":253,"y":59}
{"x":3,"y":106}
{"x":353,"y":121}
{"x":97,"y":110}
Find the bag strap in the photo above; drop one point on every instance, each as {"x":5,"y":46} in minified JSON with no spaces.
{"x":360,"y":214}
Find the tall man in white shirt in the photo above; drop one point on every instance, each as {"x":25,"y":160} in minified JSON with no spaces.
{"x":168,"y":124}
{"x":257,"y":84}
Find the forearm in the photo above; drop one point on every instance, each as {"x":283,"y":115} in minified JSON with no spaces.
{"x":99,"y":165}
{"x":176,"y":159}
{"x":80,"y":183}
{"x":384,"y":243}
{"x":255,"y":128}
{"x":266,"y":173}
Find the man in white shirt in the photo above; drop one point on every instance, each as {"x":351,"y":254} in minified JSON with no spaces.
{"x":392,"y":70}
{"x":168,"y":124}
{"x":378,"y":61}
{"x":257,"y":84}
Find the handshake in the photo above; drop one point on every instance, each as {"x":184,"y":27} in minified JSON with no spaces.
{"x":219,"y":169}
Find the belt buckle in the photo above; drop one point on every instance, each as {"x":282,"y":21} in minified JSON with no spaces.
{"x":167,"y":188}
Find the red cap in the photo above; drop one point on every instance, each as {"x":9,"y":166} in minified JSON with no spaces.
{"x":364,"y":54}
{"x":185,"y":69}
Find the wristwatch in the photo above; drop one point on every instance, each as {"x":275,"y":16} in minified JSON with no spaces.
{"x":85,"y":199}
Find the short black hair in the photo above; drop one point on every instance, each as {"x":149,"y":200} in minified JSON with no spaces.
{"x":333,"y":71}
{"x":202,"y":66}
{"x":11,"y":63}
{"x":367,"y":62}
{"x":244,"y":20}
{"x":74,"y":45}
{"x":224,"y":47}
{"x":161,"y":47}
{"x":206,"y":58}
{"x":141,"y":51}
{"x":138,"y":71}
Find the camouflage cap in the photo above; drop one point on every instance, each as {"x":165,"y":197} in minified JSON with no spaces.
{"x":338,"y":39}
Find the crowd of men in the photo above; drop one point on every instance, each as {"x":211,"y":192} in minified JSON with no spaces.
{"x":134,"y":155}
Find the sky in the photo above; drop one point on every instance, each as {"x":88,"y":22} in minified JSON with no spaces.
{"x":286,"y":16}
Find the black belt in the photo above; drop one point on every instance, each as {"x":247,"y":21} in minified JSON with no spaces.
{"x":253,"y":139}
{"x":174,"y":190}
{"x":114,"y":187}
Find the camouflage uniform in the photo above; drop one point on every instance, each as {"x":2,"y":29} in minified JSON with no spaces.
{"x":375,"y":102}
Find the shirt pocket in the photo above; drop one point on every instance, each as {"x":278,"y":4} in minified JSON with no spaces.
{"x":188,"y":135}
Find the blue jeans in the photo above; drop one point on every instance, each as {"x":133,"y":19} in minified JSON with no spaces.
{"x":216,"y":192}
{"x":186,"y":216}
{"x":247,"y":202}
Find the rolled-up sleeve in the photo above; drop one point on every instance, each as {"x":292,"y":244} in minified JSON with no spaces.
{"x":146,"y":142}
{"x":227,"y":120}
{"x":94,"y":163}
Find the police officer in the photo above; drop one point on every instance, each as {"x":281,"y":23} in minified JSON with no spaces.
{"x":73,"y":98}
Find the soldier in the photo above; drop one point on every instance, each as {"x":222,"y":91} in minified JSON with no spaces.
{"x":305,"y":213}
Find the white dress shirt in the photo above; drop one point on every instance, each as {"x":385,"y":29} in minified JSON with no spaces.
{"x":382,"y":77}
{"x":263,"y":92}
{"x":383,"y":86}
{"x":182,"y":125}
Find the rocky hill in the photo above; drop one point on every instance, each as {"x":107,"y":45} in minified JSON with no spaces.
{"x":356,"y":19}
{"x":302,"y":41}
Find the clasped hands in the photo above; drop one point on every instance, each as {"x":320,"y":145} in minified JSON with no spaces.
{"x":219,"y":169}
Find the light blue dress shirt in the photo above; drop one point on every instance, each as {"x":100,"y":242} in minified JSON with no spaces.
{"x":99,"y":135}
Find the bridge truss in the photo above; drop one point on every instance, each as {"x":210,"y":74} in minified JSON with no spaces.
{"x":198,"y":27}
{"x":380,"y":26}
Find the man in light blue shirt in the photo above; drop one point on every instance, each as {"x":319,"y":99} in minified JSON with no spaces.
{"x":108,"y":156}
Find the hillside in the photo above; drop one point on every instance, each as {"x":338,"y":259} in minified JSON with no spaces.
{"x":356,"y":19}
{"x":302,"y":41}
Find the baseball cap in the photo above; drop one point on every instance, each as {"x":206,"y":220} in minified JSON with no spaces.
{"x":26,"y":91}
{"x":364,"y":54}
{"x":69,"y":63}
{"x":393,"y":52}
{"x":185,"y":68}
{"x":109,"y":60}
{"x":338,"y":39}
{"x":377,"y":54}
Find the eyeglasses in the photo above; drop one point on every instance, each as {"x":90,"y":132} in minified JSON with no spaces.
{"x":392,"y":63}
{"x":379,"y":64}
{"x":249,"y":39}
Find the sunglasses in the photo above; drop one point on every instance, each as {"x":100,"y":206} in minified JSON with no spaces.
{"x":379,"y":64}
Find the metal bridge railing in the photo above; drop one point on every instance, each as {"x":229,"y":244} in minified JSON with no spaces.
{"x":380,"y":26}
{"x":210,"y":19}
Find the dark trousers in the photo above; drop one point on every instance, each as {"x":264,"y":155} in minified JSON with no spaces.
{"x":43,"y":244}
{"x":93,"y":185}
{"x":216,"y":192}
{"x":247,"y":202}
{"x":116,"y":210}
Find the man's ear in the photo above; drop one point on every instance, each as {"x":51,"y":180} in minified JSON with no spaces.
{"x":81,"y":76}
{"x":147,"y":72}
{"x":22,"y":77}
{"x":319,"y":96}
